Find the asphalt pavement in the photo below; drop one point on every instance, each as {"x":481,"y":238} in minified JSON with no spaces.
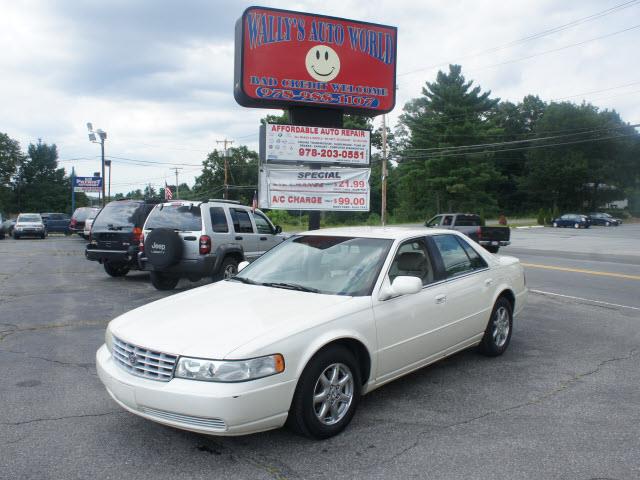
{"x":562,"y":402}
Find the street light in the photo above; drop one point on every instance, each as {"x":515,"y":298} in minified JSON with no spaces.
{"x":92,"y":137}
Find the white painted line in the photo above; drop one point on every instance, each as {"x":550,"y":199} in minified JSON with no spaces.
{"x":529,"y":226}
{"x":540,"y":292}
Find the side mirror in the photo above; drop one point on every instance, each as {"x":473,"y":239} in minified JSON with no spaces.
{"x":278,"y":229}
{"x":241,"y":265}
{"x":402,"y":285}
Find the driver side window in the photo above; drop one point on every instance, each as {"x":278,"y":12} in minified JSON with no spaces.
{"x":412,"y":260}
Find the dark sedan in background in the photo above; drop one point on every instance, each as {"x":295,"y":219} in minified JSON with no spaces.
{"x":572,"y":220}
{"x":604,"y":219}
{"x":56,"y":222}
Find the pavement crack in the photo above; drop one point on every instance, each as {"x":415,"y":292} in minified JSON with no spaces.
{"x":55,"y":419}
{"x":86,"y":366}
{"x":536,"y":401}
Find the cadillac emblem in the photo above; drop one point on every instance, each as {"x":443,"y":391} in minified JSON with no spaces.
{"x":133,"y":359}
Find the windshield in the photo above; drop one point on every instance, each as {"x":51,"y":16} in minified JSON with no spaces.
{"x":116,"y":215}
{"x":175,"y":216}
{"x":322,"y":264}
{"x":33,"y":217}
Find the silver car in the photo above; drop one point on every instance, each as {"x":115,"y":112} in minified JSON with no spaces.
{"x":203,"y":239}
{"x":29,"y":225}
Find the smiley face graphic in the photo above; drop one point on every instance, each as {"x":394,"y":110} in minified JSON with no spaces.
{"x":323,"y":63}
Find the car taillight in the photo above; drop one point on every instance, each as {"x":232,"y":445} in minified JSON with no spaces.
{"x":141,"y":244}
{"x":73,"y":222}
{"x":137,"y":233}
{"x":479,"y":232}
{"x":205,"y":244}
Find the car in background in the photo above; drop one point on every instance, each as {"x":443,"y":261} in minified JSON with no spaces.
{"x":29,"y":225}
{"x":604,"y":219}
{"x":1,"y":228}
{"x":7,"y":226}
{"x":203,"y":239}
{"x":56,"y":222}
{"x":491,"y":238}
{"x":87,"y":225}
{"x":299,"y":335}
{"x":115,"y":235}
{"x":572,"y":220}
{"x":76,"y":224}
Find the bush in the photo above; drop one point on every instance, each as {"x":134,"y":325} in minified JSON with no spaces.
{"x":540,"y":218}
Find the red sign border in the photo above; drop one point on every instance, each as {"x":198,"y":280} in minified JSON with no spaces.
{"x":246,"y":101}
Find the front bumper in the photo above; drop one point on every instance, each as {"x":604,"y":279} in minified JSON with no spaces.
{"x":29,"y":232}
{"x":203,"y":407}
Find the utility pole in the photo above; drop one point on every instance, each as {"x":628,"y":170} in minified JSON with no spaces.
{"x":226,"y":167}
{"x":108,"y":164}
{"x":177,"y":188}
{"x":383,"y":214}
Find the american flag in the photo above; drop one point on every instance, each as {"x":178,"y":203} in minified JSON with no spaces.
{"x":254,"y":202}
{"x":167,"y":192}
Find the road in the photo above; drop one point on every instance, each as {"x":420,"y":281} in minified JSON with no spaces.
{"x":561,"y":403}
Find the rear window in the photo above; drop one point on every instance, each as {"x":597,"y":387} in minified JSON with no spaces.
{"x":81,"y":214}
{"x":177,"y":217}
{"x":117,"y":215}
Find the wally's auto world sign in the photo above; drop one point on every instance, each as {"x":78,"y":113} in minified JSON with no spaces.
{"x":305,"y":144}
{"x":285,"y":58}
{"x":305,"y":189}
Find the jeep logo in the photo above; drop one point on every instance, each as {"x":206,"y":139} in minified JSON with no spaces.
{"x":158,"y":247}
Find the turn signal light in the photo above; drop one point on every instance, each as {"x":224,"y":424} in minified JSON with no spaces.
{"x":137,"y":234}
{"x":205,"y":244}
{"x":279,"y":361}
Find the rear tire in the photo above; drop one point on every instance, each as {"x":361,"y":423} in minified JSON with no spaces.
{"x":327,"y":394}
{"x":163,"y":281}
{"x":576,"y":225}
{"x":498,"y":332}
{"x":607,"y":224}
{"x":228,"y":269}
{"x":115,"y":270}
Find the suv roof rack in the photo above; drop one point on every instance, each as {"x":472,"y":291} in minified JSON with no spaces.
{"x":223,"y":200}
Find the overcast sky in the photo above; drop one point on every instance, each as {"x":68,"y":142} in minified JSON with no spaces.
{"x":158,"y":75}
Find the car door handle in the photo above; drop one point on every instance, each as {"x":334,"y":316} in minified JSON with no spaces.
{"x":238,"y":238}
{"x":263,"y":238}
{"x":488,"y":282}
{"x":441,"y":299}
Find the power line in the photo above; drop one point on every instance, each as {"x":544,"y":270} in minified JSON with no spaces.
{"x":534,"y":36}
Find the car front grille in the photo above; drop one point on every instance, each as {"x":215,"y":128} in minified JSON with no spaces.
{"x":202,"y":422}
{"x":143,"y":362}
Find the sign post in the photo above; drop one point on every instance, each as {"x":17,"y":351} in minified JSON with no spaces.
{"x":318,"y":68}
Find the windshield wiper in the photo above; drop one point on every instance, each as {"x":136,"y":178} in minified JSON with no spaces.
{"x":243,"y":280}
{"x":291,"y":286}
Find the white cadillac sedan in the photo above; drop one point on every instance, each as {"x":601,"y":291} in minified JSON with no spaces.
{"x":299,"y":335}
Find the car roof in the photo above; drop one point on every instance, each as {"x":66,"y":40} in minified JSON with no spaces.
{"x":379,"y":232}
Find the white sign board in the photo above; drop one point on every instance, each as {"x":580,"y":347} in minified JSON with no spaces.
{"x":295,"y":143}
{"x":305,"y":189}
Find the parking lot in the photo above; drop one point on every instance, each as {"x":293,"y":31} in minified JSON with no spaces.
{"x":562,"y":402}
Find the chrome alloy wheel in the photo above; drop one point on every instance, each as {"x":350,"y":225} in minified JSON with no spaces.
{"x":333,"y":393}
{"x":500,"y":326}
{"x":230,"y":271}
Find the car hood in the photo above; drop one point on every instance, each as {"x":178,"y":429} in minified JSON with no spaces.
{"x":214,"y":320}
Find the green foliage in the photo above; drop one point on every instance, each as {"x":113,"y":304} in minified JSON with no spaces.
{"x":540,"y":218}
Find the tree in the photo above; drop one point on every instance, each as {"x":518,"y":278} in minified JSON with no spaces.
{"x":242,"y":175}
{"x":10,"y":159}
{"x":450,"y":113}
{"x":41,"y":186}
{"x":592,"y":163}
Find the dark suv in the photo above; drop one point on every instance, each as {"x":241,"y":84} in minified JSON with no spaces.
{"x":115,"y":235}
{"x":56,"y":222}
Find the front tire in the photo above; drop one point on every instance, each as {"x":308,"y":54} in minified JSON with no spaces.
{"x":327,"y":394}
{"x":162,"y":281}
{"x":576,"y":225}
{"x":607,"y":224}
{"x":555,"y":224}
{"x":116,"y":270}
{"x":498,"y":333}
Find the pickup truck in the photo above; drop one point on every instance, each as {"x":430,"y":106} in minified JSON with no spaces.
{"x":491,"y":238}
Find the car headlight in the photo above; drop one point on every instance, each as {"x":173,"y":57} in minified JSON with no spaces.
{"x":108,"y":339}
{"x":229,"y":370}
